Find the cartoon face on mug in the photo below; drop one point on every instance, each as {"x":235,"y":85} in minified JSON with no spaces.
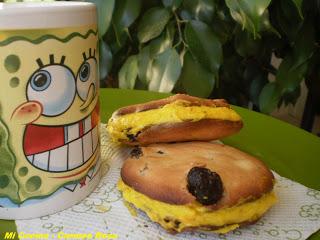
{"x":49,"y":116}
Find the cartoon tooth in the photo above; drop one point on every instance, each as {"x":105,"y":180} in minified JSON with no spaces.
{"x":49,"y":129}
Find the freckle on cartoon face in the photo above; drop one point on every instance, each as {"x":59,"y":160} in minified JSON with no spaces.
{"x":53,"y":122}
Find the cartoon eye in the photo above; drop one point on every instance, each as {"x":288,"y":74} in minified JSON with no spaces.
{"x":87,"y":77}
{"x":84,"y":72}
{"x":54,"y":87}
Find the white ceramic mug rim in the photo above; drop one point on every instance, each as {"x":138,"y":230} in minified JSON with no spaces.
{"x":44,"y":15}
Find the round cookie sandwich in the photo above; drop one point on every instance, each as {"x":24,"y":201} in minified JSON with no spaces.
{"x":178,"y":118}
{"x":197,"y":185}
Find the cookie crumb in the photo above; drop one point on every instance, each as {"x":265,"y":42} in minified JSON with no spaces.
{"x":136,"y":152}
{"x":145,"y":168}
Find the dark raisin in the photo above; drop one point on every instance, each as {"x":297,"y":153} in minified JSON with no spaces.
{"x":160,"y":152}
{"x":136,"y":152}
{"x":205,"y":185}
{"x":131,"y":137}
{"x":177,"y":223}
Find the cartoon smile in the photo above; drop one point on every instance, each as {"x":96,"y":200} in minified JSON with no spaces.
{"x":49,"y":128}
{"x":61,"y":148}
{"x":52,"y":90}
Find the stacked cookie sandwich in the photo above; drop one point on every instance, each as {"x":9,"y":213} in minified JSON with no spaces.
{"x":181,"y":179}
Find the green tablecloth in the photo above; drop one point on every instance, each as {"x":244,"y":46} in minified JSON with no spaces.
{"x":288,"y":150}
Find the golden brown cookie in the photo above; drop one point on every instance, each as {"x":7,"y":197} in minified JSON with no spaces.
{"x":175,"y":119}
{"x":198,"y":185}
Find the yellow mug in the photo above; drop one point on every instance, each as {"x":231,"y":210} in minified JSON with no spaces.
{"x":49,"y":107}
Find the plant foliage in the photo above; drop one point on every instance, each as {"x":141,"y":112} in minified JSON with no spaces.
{"x":211,"y":48}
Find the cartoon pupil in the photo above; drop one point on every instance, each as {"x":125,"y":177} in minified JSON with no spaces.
{"x":53,"y":86}
{"x":87,"y":77}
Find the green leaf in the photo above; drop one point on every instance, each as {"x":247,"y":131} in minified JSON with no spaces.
{"x":159,"y":45}
{"x":171,"y":30}
{"x":266,"y":26}
{"x":245,"y":44}
{"x":125,"y":13}
{"x":145,"y":61}
{"x":105,"y":9}
{"x":148,"y":53}
{"x":294,"y":66}
{"x":298,"y":4}
{"x":286,"y":18}
{"x":196,"y":79}
{"x":256,"y":87}
{"x":162,"y":43}
{"x":304,"y":44}
{"x":204,"y":45}
{"x":128,"y":73}
{"x":173,"y":4}
{"x":202,"y":10}
{"x":269,"y":98}
{"x":116,"y":39}
{"x":166,"y":70}
{"x":223,"y":24}
{"x":289,"y":78}
{"x":152,"y":23}
{"x":250,"y":14}
{"x":105,"y":59}
{"x":292,"y":97}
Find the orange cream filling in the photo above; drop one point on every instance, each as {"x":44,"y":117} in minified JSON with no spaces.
{"x":175,"y":112}
{"x":178,"y":217}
